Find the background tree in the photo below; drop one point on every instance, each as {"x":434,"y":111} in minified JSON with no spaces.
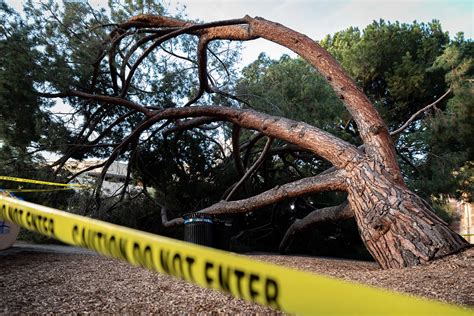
{"x":26,"y":126}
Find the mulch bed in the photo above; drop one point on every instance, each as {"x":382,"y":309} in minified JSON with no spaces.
{"x":78,"y":283}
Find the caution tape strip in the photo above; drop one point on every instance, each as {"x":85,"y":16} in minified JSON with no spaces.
{"x":34,"y":190}
{"x":23,"y":180}
{"x":263,"y":283}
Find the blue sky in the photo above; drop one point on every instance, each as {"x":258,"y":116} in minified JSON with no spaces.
{"x":317,"y":18}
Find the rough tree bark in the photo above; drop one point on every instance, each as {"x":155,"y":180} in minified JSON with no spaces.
{"x":398,"y":228}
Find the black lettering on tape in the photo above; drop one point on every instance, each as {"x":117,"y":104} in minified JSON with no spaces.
{"x":240,"y":275}
{"x":190,"y":261}
{"x":164,"y":254}
{"x":3,"y":212}
{"x":271,"y":293}
{"x":244,"y":284}
{"x":137,"y":256}
{"x":75,"y":235}
{"x":174,"y":264}
{"x":122,"y":249}
{"x":207,"y":267}
{"x":39,"y":223}
{"x":149,"y":258}
{"x":143,"y":257}
{"x":118,"y":248}
{"x":178,"y":265}
{"x":224,"y":275}
{"x":28,"y":219}
{"x":253,"y":293}
{"x":101,"y":242}
{"x":15,"y":216}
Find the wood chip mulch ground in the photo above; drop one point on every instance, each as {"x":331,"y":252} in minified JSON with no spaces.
{"x":84,"y":283}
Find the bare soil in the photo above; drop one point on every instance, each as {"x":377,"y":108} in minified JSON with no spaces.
{"x":39,"y":282}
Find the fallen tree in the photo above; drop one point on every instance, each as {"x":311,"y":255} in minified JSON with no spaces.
{"x":398,"y":228}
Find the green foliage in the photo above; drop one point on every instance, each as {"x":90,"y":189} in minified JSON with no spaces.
{"x":187,"y":170}
{"x":390,"y":61}
{"x":447,"y":135}
{"x":23,"y":117}
{"x":292,"y":88}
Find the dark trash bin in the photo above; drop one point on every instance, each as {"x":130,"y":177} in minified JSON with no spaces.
{"x":198,"y":229}
{"x":222,"y":233}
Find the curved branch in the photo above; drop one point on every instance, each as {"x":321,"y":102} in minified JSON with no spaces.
{"x":249,"y":145}
{"x":133,"y":49}
{"x":333,"y":213}
{"x":334,"y":181}
{"x":372,"y":128}
{"x":414,"y":116}
{"x":169,"y":223}
{"x":190,"y":29}
{"x":252,"y":169}
{"x":188,"y":124}
{"x":100,"y":98}
{"x":113,"y":100}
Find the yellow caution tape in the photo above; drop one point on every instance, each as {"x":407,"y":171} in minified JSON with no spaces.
{"x":263,"y":283}
{"x":36,"y":190}
{"x":15,"y":179}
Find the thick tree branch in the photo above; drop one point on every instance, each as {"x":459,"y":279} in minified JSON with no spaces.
{"x":170,"y":223}
{"x":326,"y":145}
{"x":321,"y":143}
{"x":373,"y":130}
{"x":328,"y":182}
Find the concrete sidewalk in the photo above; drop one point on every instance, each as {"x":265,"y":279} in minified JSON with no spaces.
{"x":21,"y":247}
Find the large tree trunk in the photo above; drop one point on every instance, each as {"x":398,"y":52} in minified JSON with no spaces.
{"x":398,"y":227}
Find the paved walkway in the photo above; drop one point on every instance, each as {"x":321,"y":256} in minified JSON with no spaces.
{"x":21,"y":247}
